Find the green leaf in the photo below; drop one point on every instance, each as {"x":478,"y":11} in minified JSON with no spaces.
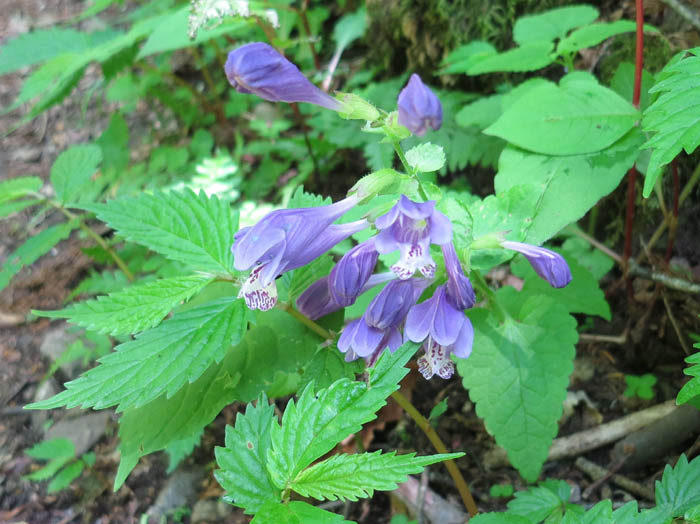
{"x":623,"y":84}
{"x":499,"y":518}
{"x":357,"y":476}
{"x":135,"y":309}
{"x":172,"y":33}
{"x":640,"y":386}
{"x":19,"y":187}
{"x":317,"y":422}
{"x":52,"y":449}
{"x":517,"y":375}
{"x":679,"y":488}
{"x":295,"y":512}
{"x":100,"y":283}
{"x":158,"y":361}
{"x":552,"y":24}
{"x":195,"y":229}
{"x":581,"y":295}
{"x":31,"y":48}
{"x":32,"y":249}
{"x":481,"y":113}
{"x":595,"y":261}
{"x":573,"y":118}
{"x":50,"y":469}
{"x":10,"y":208}
{"x":594,"y":34}
{"x":675,"y":116}
{"x":564,"y":187}
{"x":178,"y":450}
{"x":64,"y":477}
{"x":271,"y":351}
{"x":538,"y":503}
{"x":426,"y":157}
{"x":528,"y":57}
{"x":73,"y":169}
{"x":349,"y":28}
{"x":243,"y":473}
{"x":691,"y":389}
{"x":327,"y":366}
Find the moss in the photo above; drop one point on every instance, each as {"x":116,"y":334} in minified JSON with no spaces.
{"x":657,"y":53}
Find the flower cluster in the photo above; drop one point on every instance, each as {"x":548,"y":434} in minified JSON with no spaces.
{"x":290,"y":238}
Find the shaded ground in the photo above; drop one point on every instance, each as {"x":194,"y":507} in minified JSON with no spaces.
{"x":651,"y":345}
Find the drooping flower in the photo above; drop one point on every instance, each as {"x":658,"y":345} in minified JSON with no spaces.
{"x":443,"y":329}
{"x":284,"y":240}
{"x":349,"y":276}
{"x":259,"y":69}
{"x":419,"y":108}
{"x":548,"y":264}
{"x":411,"y":227}
{"x":460,"y":292}
{"x":369,"y":335}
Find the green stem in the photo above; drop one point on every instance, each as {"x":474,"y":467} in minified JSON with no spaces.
{"x":409,"y":170}
{"x":410,"y":409}
{"x":479,"y":283}
{"x":97,"y":238}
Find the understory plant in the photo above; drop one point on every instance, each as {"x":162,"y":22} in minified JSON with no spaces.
{"x":214,"y":302}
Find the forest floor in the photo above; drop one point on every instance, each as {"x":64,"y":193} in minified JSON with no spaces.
{"x":649,"y":333}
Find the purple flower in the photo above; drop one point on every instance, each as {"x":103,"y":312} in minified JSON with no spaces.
{"x":257,"y":68}
{"x":349,"y":276}
{"x":419,"y":107}
{"x":284,"y":240}
{"x":547,"y":264}
{"x":443,"y":330}
{"x":378,"y":328}
{"x":459,"y":289}
{"x":411,"y":227}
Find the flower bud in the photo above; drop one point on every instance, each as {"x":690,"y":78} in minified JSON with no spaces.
{"x":419,"y":108}
{"x":259,"y":69}
{"x":548,"y":264}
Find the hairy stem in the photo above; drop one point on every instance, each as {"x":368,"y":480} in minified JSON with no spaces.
{"x":440,"y":447}
{"x":410,"y":409}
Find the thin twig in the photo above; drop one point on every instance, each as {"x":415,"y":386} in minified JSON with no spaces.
{"x":677,"y":329}
{"x":307,"y":29}
{"x":687,"y":13}
{"x":598,"y":245}
{"x":620,"y":339}
{"x":598,"y":473}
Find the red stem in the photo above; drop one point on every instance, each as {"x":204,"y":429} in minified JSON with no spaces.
{"x":632,"y":173}
{"x":674,"y":221}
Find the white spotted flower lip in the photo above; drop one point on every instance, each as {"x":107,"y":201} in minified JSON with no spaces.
{"x":284,"y":240}
{"x":411,"y":227}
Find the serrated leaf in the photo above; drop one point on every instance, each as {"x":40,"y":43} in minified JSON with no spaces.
{"x":530,"y":56}
{"x":73,"y":169}
{"x":52,"y":449}
{"x":517,"y":375}
{"x":679,"y":487}
{"x":426,"y":158}
{"x":242,"y":470}
{"x":317,"y":422}
{"x":158,"y":361}
{"x":538,"y":503}
{"x":674,"y":117}
{"x":351,"y":477}
{"x":272,"y":350}
{"x":34,"y":247}
{"x":327,"y":366}
{"x":570,"y":119}
{"x":552,"y":24}
{"x":31,"y":48}
{"x":64,"y":477}
{"x":565,"y":187}
{"x":295,"y":512}
{"x":195,"y":229}
{"x":691,"y":389}
{"x":581,"y":295}
{"x":178,"y":450}
{"x":593,"y":34}
{"x":19,"y":187}
{"x":100,"y":283}
{"x":135,"y":309}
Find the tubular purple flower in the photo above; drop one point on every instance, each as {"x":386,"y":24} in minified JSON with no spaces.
{"x":419,"y":107}
{"x":259,"y":69}
{"x":443,"y":330}
{"x":349,"y":276}
{"x":378,"y":328}
{"x":411,"y":227}
{"x":547,"y":264}
{"x":460,"y":292}
{"x":284,"y":240}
